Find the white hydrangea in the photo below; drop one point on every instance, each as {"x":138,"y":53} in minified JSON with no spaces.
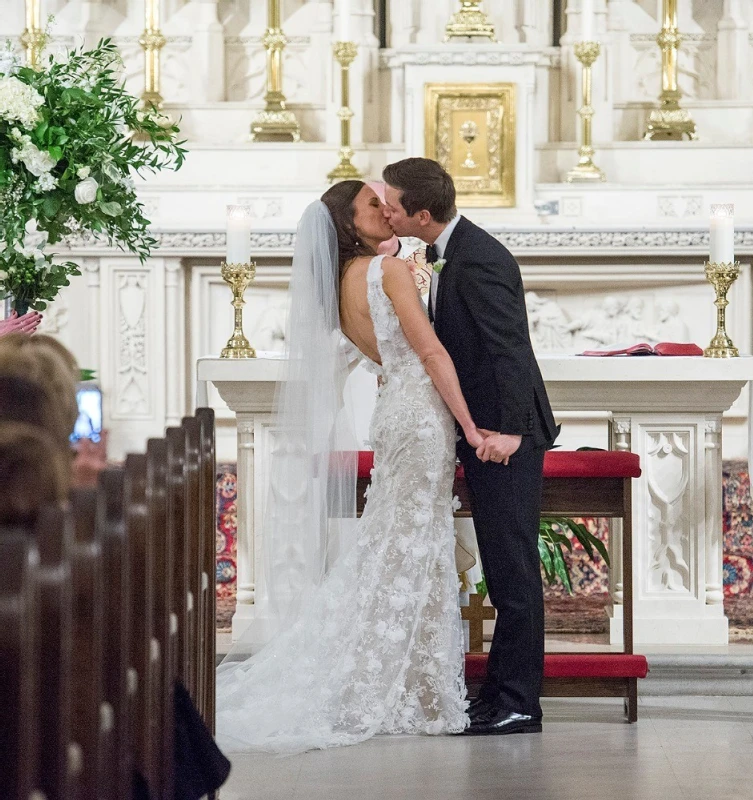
{"x":37,"y":161}
{"x":19,"y":102}
{"x":8,"y":62}
{"x":46,"y":183}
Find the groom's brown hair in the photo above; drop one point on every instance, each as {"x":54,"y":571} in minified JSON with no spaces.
{"x":425,"y":186}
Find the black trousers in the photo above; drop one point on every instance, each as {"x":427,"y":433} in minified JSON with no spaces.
{"x":506,"y":505}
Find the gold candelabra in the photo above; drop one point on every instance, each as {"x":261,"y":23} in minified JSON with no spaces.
{"x":669,"y":122}
{"x":239,"y":277}
{"x":276,"y":123}
{"x":469,"y":22}
{"x":721,"y":277}
{"x":33,"y":36}
{"x":345,"y":54}
{"x":152,"y":41}
{"x":585,"y":170}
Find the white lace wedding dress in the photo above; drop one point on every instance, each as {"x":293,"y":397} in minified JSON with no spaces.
{"x":383,"y":654}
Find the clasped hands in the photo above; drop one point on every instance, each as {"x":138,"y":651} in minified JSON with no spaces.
{"x":493,"y":446}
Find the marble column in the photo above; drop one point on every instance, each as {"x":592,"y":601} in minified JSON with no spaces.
{"x":733,"y":60}
{"x":208,"y":51}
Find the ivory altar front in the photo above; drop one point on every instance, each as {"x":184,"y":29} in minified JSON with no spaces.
{"x":667,"y":410}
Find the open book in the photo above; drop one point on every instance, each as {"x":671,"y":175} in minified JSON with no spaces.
{"x":644,"y":349}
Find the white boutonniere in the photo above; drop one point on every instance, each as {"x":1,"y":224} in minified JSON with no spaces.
{"x":438,"y":265}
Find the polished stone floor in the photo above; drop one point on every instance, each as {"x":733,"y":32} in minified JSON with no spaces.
{"x":682,"y":748}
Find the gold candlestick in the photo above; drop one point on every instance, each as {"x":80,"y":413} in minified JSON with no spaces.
{"x":152,"y":41}
{"x":345,"y":54}
{"x":469,"y":22}
{"x":669,"y":122}
{"x":721,"y":277}
{"x":276,"y":123}
{"x":585,"y":170}
{"x":33,"y":36}
{"x":239,"y":277}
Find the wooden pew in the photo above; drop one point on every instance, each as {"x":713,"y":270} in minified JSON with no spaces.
{"x":195,"y":538}
{"x":112,"y":600}
{"x":120,"y":680}
{"x":208,"y":524}
{"x":88,"y":730}
{"x":142,"y":650}
{"x":57,"y":778}
{"x":19,"y":630}
{"x":165,"y":620}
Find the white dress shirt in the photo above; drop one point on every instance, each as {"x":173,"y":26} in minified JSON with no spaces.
{"x":441,"y":245}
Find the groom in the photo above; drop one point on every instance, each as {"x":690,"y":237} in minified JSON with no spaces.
{"x":478,"y":309}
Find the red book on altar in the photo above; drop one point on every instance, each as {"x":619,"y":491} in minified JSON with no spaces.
{"x":644,"y":349}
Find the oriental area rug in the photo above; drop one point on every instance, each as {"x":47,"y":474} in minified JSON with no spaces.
{"x":584,"y":611}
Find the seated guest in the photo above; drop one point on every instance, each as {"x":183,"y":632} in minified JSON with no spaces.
{"x":33,"y":473}
{"x":38,"y":379}
{"x":44,"y":365}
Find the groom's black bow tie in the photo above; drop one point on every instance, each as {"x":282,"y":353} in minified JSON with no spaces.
{"x":431,"y":254}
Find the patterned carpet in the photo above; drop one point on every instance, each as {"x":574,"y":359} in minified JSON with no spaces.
{"x":582,"y":613}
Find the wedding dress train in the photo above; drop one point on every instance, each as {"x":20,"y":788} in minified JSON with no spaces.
{"x":383,"y":653}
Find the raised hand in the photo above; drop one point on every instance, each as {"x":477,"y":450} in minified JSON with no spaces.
{"x":497,"y":447}
{"x":28,"y":323}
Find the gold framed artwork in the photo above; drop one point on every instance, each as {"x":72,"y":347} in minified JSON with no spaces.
{"x":470,"y":131}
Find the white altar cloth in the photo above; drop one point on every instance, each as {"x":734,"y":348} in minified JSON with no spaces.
{"x":667,"y":410}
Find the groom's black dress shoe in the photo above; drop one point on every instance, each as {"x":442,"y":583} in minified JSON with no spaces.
{"x":498,"y":722}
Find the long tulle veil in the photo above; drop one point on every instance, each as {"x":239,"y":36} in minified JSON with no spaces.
{"x":312,"y":447}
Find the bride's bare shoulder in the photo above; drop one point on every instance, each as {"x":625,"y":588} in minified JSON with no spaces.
{"x":395,"y":266}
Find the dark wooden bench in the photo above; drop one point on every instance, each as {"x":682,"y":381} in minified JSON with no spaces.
{"x":103,"y":606}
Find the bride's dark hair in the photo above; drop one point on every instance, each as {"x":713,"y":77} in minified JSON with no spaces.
{"x":339,"y":200}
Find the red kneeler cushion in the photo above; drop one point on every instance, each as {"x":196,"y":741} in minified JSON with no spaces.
{"x":558,"y":464}
{"x":572,"y":665}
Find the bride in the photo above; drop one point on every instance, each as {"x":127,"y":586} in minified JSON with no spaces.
{"x":372,"y":640}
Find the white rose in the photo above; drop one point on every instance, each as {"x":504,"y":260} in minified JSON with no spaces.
{"x":3,"y":275}
{"x":163,"y":121}
{"x":83,"y":172}
{"x":86,"y":191}
{"x":34,"y":238}
{"x":38,"y":162}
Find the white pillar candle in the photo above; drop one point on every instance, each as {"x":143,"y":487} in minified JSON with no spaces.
{"x":722,"y":234}
{"x":344,"y":15}
{"x":238,"y":235}
{"x":586,"y":20}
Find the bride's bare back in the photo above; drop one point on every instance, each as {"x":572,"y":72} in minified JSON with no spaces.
{"x":355,"y":318}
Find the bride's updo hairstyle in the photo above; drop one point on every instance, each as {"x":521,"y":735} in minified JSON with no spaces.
{"x":339,"y":200}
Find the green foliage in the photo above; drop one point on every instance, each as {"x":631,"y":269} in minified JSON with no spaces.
{"x":91,"y":139}
{"x":553,"y":541}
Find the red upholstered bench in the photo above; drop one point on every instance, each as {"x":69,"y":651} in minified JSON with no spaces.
{"x":586,"y":483}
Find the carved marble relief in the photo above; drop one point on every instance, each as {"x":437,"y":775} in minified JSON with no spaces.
{"x":670,"y":512}
{"x":131,"y":374}
{"x":615,"y":320}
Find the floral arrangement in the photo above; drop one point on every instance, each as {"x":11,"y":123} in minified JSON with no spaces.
{"x":71,"y":141}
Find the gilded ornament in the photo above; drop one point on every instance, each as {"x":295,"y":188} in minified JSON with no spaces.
{"x":275,"y":123}
{"x":469,"y":22}
{"x":585,"y":171}
{"x":669,"y":122}
{"x":238,"y":277}
{"x":721,"y":277}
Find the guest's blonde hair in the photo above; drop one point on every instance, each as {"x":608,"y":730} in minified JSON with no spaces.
{"x":45,"y":362}
{"x":34,"y":472}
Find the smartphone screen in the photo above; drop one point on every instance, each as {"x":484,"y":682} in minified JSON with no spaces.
{"x":89,"y":422}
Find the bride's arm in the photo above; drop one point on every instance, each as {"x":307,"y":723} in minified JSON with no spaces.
{"x":400,"y":288}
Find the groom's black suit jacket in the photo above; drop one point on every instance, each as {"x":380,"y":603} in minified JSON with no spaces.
{"x":481,"y":320}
